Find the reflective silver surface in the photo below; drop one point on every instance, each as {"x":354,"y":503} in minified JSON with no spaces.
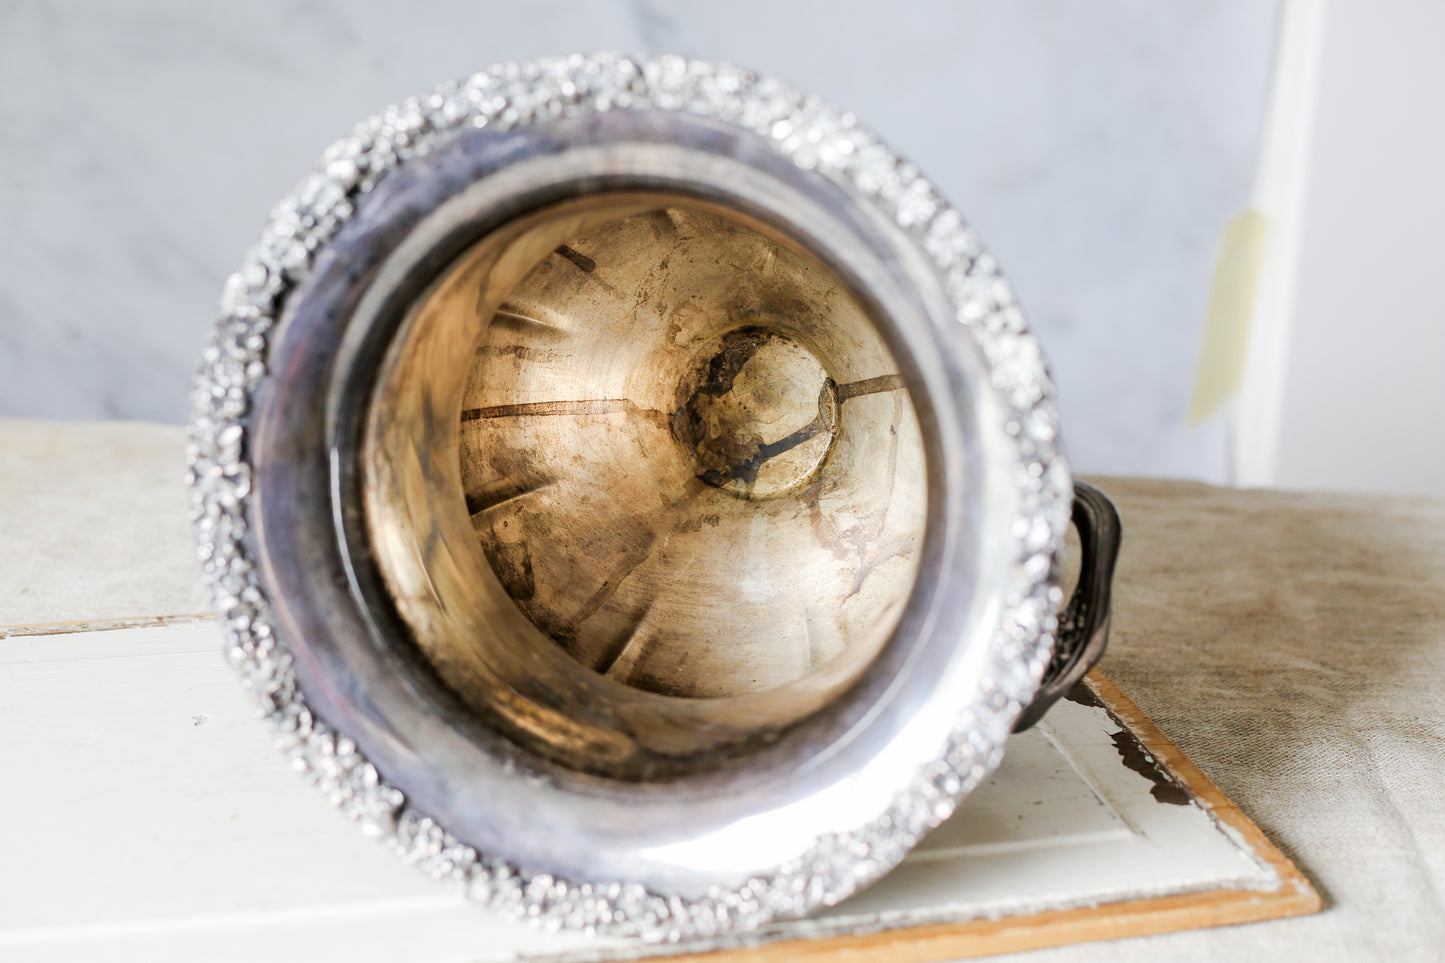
{"x":651,"y":496}
{"x":662,"y":821}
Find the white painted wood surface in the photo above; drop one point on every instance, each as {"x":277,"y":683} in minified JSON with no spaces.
{"x":93,"y":524}
{"x":148,"y":817}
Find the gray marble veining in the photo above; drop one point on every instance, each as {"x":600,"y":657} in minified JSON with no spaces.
{"x":1100,"y":147}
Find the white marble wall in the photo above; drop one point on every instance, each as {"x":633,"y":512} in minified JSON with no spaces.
{"x":1098,"y":146}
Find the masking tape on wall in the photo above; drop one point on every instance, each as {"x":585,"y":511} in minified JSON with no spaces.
{"x":1226,"y":322}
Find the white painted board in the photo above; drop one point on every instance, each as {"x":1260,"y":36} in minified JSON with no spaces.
{"x":147,"y":817}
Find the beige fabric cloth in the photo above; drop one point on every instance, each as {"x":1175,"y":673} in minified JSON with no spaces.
{"x":1293,"y":645}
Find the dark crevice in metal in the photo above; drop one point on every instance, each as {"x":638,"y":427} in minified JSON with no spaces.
{"x":582,"y":261}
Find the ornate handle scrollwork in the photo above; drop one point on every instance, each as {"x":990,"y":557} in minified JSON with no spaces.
{"x":1084,"y":624}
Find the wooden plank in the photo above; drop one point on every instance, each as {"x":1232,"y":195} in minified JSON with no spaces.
{"x":102,"y":625}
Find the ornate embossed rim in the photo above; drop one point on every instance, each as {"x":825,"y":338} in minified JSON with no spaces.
{"x":810,"y":134}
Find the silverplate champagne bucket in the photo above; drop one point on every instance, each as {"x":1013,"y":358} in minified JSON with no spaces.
{"x":633,"y":493}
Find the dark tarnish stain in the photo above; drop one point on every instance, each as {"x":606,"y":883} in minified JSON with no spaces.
{"x":503,"y":490}
{"x":822,"y":422}
{"x":744,"y":463}
{"x":690,"y":525}
{"x":603,"y":406}
{"x":1082,"y":695}
{"x":724,"y":367}
{"x":1137,"y":760}
{"x":582,"y":261}
{"x":664,"y":225}
{"x":513,"y":564}
{"x":869,"y":386}
{"x":747,"y":466}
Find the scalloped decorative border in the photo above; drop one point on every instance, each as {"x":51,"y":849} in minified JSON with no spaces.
{"x":812,"y":135}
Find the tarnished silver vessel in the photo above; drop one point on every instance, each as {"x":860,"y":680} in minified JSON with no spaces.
{"x":633,"y":492}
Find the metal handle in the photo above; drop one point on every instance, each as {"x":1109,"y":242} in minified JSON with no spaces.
{"x":1084,"y":624}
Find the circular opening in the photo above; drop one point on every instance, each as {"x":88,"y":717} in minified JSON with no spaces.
{"x":644,"y":482}
{"x":757,"y":413}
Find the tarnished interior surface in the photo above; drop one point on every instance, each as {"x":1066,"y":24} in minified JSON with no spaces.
{"x":689,"y":460}
{"x":644,"y":482}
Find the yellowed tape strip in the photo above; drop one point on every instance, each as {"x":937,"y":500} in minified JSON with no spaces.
{"x":1231,"y":305}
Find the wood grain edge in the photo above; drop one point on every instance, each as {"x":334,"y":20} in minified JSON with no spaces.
{"x":102,"y":625}
{"x":1149,"y":916}
{"x":1295,"y":889}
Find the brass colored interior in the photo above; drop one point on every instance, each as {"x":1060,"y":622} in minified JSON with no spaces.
{"x":644,"y":481}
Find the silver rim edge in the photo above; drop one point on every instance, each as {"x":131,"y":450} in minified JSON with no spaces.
{"x":812,"y":135}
